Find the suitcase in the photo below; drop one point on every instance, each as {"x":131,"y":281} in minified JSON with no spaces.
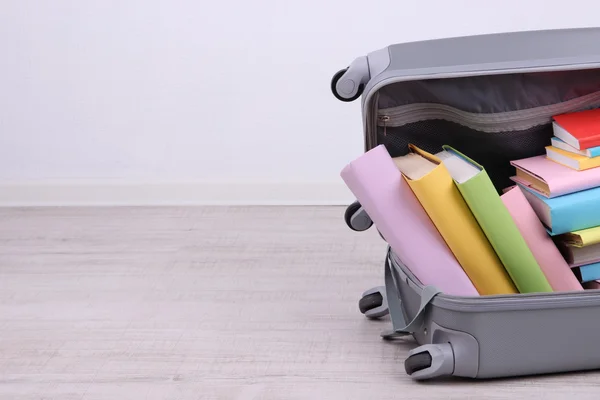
{"x":492,"y":97}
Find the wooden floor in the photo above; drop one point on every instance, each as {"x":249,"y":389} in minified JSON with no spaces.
{"x":207,"y":303}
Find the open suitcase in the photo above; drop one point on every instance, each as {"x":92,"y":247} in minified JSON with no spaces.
{"x":492,"y":97}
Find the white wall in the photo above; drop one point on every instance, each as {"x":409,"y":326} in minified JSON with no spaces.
{"x":113,"y":95}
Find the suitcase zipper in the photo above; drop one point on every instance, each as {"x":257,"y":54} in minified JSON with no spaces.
{"x":384,"y":119}
{"x":529,"y":301}
{"x":490,"y":123}
{"x":510,"y":302}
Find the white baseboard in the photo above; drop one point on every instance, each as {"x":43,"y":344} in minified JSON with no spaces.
{"x":159,"y":194}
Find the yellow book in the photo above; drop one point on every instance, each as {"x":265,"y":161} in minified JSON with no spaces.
{"x":435,"y":189}
{"x":581,"y":238}
{"x":571,"y":160}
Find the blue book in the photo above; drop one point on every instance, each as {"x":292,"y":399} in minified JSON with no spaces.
{"x":568,"y":213}
{"x":591,"y":152}
{"x":587,"y":273}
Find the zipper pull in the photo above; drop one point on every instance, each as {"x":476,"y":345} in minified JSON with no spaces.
{"x":385,"y":119}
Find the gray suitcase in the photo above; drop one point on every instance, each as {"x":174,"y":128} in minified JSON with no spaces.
{"x":492,"y":97}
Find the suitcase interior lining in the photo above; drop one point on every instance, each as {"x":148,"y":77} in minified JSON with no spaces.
{"x":491,"y":94}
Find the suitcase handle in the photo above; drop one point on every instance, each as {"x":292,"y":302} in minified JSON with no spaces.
{"x":399,"y":326}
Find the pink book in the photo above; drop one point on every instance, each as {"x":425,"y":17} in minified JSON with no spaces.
{"x":551,"y":179}
{"x":380,"y":188}
{"x":549,"y":258}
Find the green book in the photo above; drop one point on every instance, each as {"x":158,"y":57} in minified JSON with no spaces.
{"x":496,"y":222}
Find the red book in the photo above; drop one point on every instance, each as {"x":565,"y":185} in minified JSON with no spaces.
{"x":579,"y":129}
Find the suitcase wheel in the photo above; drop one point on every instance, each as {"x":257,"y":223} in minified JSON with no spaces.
{"x":370,"y":302}
{"x":356,"y":218}
{"x":417,"y":362}
{"x":373,"y":303}
{"x":430,"y":361}
{"x":334,"y":81}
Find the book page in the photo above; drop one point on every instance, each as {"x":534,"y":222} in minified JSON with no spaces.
{"x":460,"y":169}
{"x":413,"y":166}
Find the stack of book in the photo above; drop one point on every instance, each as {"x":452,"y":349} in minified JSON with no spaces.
{"x":581,"y":249}
{"x":447,"y":222}
{"x":563,"y":188}
{"x":444,"y":218}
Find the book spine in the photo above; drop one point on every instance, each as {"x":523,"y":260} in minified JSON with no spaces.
{"x":503,"y":234}
{"x":589,"y":142}
{"x":590,"y":272}
{"x":593,"y":152}
{"x":575,"y":212}
{"x":447,"y":209}
{"x":545,"y":251}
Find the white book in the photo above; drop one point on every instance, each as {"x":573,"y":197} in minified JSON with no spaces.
{"x":560,"y":144}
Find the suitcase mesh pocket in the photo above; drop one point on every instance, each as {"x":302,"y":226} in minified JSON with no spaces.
{"x":492,"y":119}
{"x":492,"y":150}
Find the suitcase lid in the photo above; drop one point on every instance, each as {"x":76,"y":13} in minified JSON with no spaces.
{"x":490,"y":54}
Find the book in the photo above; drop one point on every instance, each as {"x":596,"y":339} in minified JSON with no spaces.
{"x":579,"y":129}
{"x":542,"y":246}
{"x":587,"y":273}
{"x":392,"y":206}
{"x":566,"y":213}
{"x":571,"y":160}
{"x":581,"y":238}
{"x":551,"y":179}
{"x":592,"y":285}
{"x":496,"y":222}
{"x":433,"y":186}
{"x":577,"y":256}
{"x":591,"y":152}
